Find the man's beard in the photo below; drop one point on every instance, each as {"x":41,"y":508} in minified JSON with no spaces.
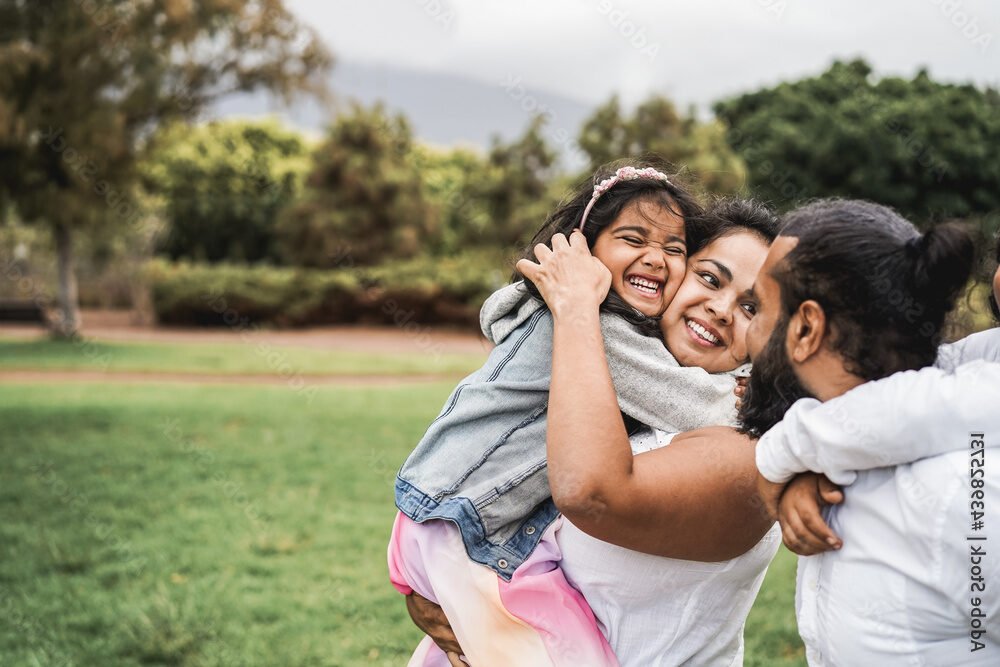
{"x":772,"y":388}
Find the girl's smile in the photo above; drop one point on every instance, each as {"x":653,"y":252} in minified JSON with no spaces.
{"x":645,"y":250}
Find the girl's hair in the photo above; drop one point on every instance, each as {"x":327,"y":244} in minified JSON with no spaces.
{"x":670,"y":196}
{"x":732,"y":215}
{"x":885,"y":287}
{"x":993,"y":300}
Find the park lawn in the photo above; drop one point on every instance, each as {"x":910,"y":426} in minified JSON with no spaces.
{"x":192,"y":525}
{"x":216,"y":358}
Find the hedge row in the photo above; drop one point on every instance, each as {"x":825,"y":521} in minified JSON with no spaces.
{"x":424,"y":290}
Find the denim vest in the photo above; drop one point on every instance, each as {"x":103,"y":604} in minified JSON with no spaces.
{"x":482,"y":462}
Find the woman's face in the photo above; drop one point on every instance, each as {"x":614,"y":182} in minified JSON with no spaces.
{"x":706,"y":323}
{"x":645,"y":250}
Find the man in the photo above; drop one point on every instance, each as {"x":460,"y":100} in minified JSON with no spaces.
{"x":911,"y":581}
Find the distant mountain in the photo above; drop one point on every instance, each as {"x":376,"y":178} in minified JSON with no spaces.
{"x":444,"y":109}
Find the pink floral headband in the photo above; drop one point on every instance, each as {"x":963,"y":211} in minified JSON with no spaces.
{"x":623,"y":174}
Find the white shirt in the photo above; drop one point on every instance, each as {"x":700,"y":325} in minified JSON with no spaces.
{"x":657,"y":611}
{"x":900,"y":591}
{"x":984,"y":345}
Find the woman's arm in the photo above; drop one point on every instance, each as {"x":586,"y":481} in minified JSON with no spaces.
{"x":695,"y":499}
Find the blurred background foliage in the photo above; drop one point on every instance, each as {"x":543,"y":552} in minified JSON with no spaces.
{"x":303,"y":230}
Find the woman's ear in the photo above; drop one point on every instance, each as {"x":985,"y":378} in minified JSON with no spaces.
{"x":806,"y":331}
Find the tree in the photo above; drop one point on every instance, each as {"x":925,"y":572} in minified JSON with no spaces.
{"x":223,"y":185}
{"x":656,"y":127}
{"x":83,"y":85}
{"x":364,"y":200}
{"x":923,"y":147}
{"x":453,"y":181}
{"x":516,"y":190}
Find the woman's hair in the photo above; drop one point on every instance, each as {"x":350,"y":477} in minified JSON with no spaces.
{"x":993,"y":299}
{"x":672,"y":196}
{"x":731,"y":215}
{"x":885,"y":287}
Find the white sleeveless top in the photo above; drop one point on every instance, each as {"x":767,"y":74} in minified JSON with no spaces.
{"x":656,"y":611}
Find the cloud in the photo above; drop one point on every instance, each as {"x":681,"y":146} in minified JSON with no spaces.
{"x":588,"y":49}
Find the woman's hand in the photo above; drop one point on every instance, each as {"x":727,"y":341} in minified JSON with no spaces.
{"x":568,"y":277}
{"x":803,"y":529}
{"x":430,"y":618}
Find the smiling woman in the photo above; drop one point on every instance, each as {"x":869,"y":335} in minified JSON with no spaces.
{"x":706,"y":323}
{"x":475,"y":491}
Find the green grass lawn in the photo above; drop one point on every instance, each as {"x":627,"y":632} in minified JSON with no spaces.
{"x":224,"y":526}
{"x":235,"y":358}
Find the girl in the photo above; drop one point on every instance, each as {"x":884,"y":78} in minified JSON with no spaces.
{"x":475,"y":491}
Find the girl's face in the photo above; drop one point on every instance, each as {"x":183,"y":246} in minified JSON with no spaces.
{"x":645,"y":251}
{"x":706,"y":323}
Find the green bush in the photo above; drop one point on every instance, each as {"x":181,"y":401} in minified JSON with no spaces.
{"x":424,"y":290}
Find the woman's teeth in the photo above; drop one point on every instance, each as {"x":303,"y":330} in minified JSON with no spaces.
{"x":702,"y":332}
{"x":643,"y":285}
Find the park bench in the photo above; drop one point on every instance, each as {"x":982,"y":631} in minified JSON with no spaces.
{"x":22,"y":310}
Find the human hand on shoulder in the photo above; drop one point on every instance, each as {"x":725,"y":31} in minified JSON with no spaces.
{"x":569,"y":278}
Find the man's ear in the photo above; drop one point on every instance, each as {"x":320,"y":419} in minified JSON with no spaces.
{"x":806,"y":331}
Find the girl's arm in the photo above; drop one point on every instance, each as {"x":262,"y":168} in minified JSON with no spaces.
{"x":694,"y":499}
{"x":900,"y":419}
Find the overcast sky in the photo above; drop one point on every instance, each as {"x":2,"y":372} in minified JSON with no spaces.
{"x":695,"y":52}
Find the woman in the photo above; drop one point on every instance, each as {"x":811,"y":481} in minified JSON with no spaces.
{"x":704,"y":326}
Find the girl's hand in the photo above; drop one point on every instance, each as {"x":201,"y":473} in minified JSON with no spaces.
{"x":740,"y":391}
{"x":803,"y":529}
{"x":568,"y":277}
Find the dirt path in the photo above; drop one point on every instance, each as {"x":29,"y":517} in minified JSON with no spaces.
{"x":116,"y":326}
{"x":298,"y":382}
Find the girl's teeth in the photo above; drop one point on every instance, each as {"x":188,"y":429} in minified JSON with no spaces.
{"x":644,"y":285}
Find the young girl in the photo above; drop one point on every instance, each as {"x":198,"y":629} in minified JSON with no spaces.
{"x":475,"y":491}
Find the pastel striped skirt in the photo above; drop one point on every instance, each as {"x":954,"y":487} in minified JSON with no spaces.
{"x":537,"y":619}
